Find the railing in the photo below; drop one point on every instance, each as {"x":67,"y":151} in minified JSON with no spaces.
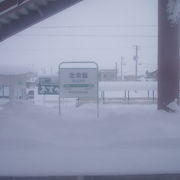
{"x":131,"y":97}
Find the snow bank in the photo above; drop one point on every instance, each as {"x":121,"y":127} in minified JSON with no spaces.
{"x":173,"y":9}
{"x":35,"y":140}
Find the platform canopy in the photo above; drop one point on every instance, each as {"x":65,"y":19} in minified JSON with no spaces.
{"x":17,"y":15}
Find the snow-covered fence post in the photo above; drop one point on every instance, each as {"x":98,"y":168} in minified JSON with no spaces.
{"x":153,"y":96}
{"x":102,"y":97}
{"x":128,"y":96}
{"x":125,"y":94}
{"x":148,"y":94}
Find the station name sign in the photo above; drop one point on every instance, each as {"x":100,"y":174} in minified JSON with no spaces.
{"x":78,"y":82}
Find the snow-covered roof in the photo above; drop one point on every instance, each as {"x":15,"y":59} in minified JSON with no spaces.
{"x":15,"y":70}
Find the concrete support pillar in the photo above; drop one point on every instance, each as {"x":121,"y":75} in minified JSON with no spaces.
{"x":168,"y":58}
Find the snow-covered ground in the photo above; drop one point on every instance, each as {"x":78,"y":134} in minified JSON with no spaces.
{"x":126,"y":139}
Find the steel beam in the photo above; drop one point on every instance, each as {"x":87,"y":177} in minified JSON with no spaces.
{"x":168,"y":58}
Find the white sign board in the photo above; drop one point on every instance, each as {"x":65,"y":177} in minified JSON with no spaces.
{"x":78,"y":82}
{"x":48,"y":85}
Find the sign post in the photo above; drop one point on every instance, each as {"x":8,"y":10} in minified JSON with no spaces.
{"x":78,"y":80}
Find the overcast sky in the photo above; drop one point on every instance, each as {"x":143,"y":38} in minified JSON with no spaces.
{"x":96,"y":30}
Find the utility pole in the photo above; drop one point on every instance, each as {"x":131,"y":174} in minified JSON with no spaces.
{"x":136,"y":61}
{"x":116,"y":70}
{"x":122,"y":64}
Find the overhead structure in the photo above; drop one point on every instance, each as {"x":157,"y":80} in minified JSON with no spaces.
{"x":17,"y":15}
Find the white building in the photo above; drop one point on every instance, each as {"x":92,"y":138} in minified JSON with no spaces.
{"x":13,"y":81}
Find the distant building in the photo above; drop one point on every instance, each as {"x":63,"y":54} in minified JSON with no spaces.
{"x":151,"y":75}
{"x":108,"y":75}
{"x":13,"y":81}
{"x":129,"y":78}
{"x":133,"y":78}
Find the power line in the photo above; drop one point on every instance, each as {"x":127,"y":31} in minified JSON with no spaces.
{"x":87,"y":35}
{"x":80,"y":48}
{"x":95,"y":26}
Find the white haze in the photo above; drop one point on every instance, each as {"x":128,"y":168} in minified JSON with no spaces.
{"x":96,"y":30}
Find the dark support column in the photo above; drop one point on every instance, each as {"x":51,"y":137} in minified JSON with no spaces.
{"x":168,"y":58}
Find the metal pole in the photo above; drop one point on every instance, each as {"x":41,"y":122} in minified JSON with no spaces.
{"x":59,"y":92}
{"x":153,"y":96}
{"x":121,"y":68}
{"x":44,"y":99}
{"x":128,"y":97}
{"x":136,"y":62}
{"x":97,"y":92}
{"x":116,"y":71}
{"x":3,"y":90}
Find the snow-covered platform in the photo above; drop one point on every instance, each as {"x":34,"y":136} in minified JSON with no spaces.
{"x":126,"y":139}
{"x":110,"y":177}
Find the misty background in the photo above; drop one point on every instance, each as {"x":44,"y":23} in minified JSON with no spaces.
{"x":93,"y":30}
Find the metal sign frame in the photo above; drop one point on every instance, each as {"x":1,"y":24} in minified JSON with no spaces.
{"x":82,"y":63}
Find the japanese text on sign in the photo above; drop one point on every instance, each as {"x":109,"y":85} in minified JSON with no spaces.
{"x":78,"y":82}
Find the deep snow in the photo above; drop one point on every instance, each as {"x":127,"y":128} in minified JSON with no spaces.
{"x":126,"y":139}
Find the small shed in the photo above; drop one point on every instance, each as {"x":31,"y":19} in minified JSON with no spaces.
{"x":108,"y":75}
